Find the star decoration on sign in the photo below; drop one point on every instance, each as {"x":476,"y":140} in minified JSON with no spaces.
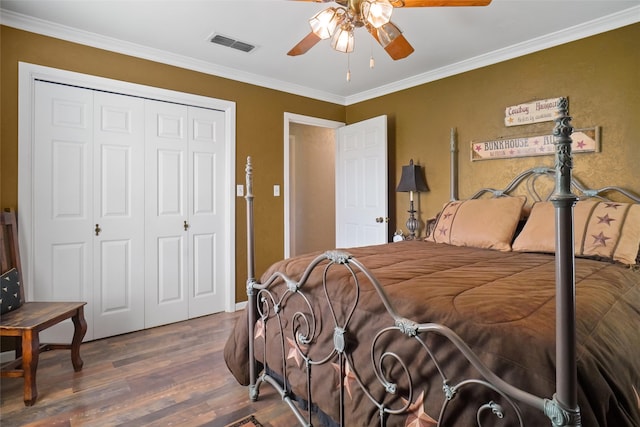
{"x":478,"y":147}
{"x":581,"y":144}
{"x":443,"y":231}
{"x":447,"y":215}
{"x":294,"y":353}
{"x":417,"y":416}
{"x":600,"y":239}
{"x":605,"y":219}
{"x":349,"y":377}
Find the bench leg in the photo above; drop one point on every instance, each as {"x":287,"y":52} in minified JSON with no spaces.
{"x":79,"y":330}
{"x":30,"y":357}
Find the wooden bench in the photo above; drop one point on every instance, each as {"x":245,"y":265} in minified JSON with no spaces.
{"x":26,"y":322}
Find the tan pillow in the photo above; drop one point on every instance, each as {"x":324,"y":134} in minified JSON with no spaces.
{"x":481,"y":223}
{"x":601,"y":229}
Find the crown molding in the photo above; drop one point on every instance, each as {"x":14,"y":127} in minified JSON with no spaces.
{"x":606,"y":23}
{"x":50,"y":29}
{"x":586,"y":29}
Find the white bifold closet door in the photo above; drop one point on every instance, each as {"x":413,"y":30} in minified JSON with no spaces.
{"x":128,"y":208}
{"x":185,"y":208}
{"x":88,"y":213}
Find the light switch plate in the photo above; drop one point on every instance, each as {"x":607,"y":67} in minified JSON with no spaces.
{"x":240,"y":190}
{"x":276,"y":190}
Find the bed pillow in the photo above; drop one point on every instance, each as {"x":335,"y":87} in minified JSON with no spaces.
{"x":481,"y":223}
{"x":9,"y":291}
{"x":606,"y":230}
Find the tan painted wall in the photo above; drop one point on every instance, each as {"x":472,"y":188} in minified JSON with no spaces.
{"x":598,"y":74}
{"x":259,"y":125}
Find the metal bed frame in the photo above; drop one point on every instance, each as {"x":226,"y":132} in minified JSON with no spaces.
{"x":561,"y":409}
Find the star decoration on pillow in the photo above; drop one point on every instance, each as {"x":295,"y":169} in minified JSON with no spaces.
{"x":605,"y":219}
{"x":600,"y":239}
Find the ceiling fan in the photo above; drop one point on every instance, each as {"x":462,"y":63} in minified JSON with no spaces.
{"x":338,"y":24}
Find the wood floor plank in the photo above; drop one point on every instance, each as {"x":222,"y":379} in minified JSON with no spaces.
{"x":172,"y":375}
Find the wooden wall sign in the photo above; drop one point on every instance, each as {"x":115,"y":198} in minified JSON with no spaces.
{"x":544,"y":110}
{"x":583,"y":140}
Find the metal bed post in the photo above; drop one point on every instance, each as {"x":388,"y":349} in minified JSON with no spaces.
{"x":251,"y":294}
{"x":564,"y":410}
{"x":453,"y":178}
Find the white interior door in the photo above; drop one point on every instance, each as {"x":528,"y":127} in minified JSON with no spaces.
{"x":166,"y":278}
{"x":89,"y":222}
{"x":118,"y":170}
{"x":78,"y":167}
{"x":206,"y":211}
{"x":361,"y":184}
{"x":63,"y":200}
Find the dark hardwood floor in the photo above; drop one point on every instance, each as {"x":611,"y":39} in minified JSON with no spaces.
{"x":171,"y":375}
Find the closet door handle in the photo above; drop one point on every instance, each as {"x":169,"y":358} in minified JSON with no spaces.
{"x":186,"y":226}
{"x":98,"y":229}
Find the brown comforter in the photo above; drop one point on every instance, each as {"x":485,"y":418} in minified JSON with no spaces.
{"x":501,"y":303}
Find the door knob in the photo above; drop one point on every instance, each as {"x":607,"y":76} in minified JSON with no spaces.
{"x":186,"y":226}
{"x":98,"y":229}
{"x":380,"y":219}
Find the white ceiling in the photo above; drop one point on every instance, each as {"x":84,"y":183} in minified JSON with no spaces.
{"x":447,"y":40}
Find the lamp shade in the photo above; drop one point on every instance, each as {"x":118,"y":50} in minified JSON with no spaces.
{"x":412,"y":179}
{"x":324,"y":23}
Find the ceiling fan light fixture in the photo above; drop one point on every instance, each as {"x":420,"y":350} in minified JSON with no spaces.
{"x":388,"y":33}
{"x":324,"y":23}
{"x":376,"y":12}
{"x":343,"y":39}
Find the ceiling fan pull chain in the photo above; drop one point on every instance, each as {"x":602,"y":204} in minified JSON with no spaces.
{"x":348,"y":67}
{"x":372,"y":62}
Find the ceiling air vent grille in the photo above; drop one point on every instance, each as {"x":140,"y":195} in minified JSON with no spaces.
{"x":232,"y":43}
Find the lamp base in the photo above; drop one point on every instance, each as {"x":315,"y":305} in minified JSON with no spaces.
{"x":412,"y":222}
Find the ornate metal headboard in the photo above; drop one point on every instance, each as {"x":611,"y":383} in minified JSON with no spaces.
{"x":530,"y":180}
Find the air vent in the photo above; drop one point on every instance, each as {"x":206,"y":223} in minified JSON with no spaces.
{"x":232,"y":43}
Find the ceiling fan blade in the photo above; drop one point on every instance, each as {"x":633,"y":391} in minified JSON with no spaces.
{"x":397,"y":48}
{"x":304,"y":45}
{"x":438,"y":3}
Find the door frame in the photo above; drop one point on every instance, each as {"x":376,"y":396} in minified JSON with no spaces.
{"x":29,"y":73}
{"x":304,"y":120}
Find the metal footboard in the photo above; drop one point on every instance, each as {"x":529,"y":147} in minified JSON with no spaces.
{"x":265,"y":312}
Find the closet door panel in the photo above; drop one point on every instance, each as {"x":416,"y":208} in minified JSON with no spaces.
{"x":62,"y":200}
{"x":206,"y":211}
{"x":167,"y":220}
{"x":119,"y":214}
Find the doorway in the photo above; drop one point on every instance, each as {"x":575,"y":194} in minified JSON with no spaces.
{"x":309,"y":184}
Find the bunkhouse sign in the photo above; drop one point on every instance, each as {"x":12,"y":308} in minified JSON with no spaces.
{"x":544,"y":110}
{"x":583,"y":140}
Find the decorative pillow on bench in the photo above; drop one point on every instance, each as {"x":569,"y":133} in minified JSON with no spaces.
{"x":10,"y":291}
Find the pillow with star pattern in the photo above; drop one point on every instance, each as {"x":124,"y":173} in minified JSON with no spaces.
{"x":604,"y":230}
{"x":10,"y":291}
{"x":480,"y":223}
